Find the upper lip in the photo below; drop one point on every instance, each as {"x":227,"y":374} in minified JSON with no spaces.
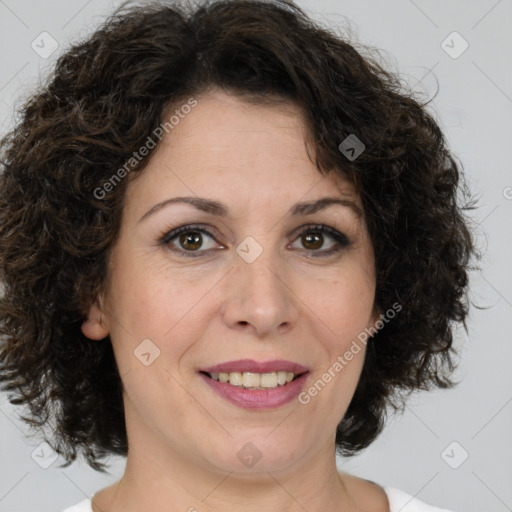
{"x":249,"y":365}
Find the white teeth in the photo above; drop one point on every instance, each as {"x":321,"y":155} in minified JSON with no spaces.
{"x":270,"y":380}
{"x":255,"y":380}
{"x":281,"y":378}
{"x":236,"y":378}
{"x":250,"y":380}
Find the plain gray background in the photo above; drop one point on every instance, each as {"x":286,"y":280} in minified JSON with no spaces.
{"x":474,"y":105}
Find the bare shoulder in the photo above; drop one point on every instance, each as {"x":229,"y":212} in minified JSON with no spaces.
{"x":101,"y":501}
{"x":369,"y":496}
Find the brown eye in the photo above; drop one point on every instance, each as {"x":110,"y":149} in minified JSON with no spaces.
{"x":191,"y":240}
{"x":313,"y":241}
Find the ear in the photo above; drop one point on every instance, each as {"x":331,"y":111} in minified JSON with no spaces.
{"x":95,"y":325}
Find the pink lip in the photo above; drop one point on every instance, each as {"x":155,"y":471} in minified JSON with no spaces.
{"x":249,"y":365}
{"x":258,"y":398}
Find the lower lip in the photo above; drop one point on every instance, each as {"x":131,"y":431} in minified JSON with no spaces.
{"x":258,"y":398}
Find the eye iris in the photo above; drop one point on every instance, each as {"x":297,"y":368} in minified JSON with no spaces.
{"x":316,"y":240}
{"x":191,"y":240}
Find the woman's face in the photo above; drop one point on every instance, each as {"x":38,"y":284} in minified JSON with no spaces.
{"x":261,"y":282}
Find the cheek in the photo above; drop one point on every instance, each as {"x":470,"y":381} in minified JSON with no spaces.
{"x":342,"y":305}
{"x":160,"y":304}
{"x":150,"y":295}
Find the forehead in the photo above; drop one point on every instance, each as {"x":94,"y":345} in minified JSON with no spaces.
{"x":227,"y":147}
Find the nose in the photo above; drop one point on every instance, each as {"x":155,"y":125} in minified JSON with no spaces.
{"x":259,"y":299}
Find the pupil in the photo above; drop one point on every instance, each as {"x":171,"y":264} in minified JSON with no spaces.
{"x":191,"y":240}
{"x":314,"y":239}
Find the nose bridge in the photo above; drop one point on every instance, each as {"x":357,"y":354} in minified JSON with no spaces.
{"x":262,"y":275}
{"x":259,"y":295}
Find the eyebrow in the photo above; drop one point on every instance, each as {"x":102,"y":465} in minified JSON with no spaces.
{"x":220,"y":210}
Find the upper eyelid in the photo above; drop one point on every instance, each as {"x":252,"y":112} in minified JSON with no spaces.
{"x":190,"y":227}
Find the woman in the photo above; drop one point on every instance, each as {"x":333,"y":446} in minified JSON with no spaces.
{"x":229,"y":243}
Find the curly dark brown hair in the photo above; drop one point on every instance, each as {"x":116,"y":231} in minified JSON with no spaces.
{"x":105,"y":97}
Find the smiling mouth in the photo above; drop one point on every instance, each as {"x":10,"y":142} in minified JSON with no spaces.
{"x":257,"y":381}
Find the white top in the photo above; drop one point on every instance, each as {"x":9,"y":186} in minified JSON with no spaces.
{"x":399,"y":501}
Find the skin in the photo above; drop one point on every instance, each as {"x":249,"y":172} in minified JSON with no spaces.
{"x":184,"y":438}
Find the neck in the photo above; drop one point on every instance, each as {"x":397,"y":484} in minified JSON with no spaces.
{"x":152,"y":483}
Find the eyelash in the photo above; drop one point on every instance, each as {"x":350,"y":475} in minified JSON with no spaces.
{"x":340,"y":238}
